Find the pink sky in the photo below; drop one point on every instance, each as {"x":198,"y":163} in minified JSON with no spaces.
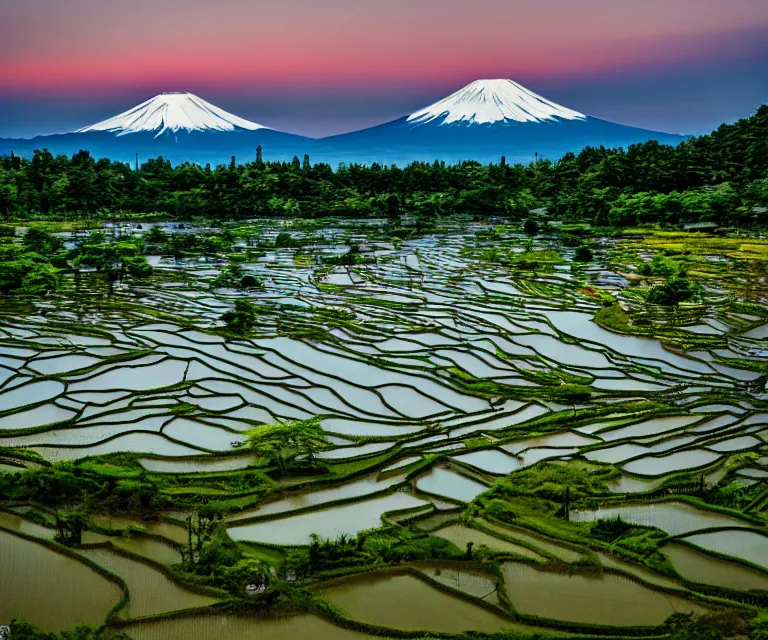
{"x":103,"y":48}
{"x":100,"y":44}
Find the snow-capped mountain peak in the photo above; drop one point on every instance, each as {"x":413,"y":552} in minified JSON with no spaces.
{"x":493,"y":101}
{"x":173,"y":111}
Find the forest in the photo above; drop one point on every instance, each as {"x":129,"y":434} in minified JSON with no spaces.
{"x":721,"y":177}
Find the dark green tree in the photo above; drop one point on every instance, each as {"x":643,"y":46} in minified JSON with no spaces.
{"x":675,"y":291}
{"x":245,"y":574}
{"x":70,"y":526}
{"x":42,"y":242}
{"x":583,"y":254}
{"x":242,"y":318}
{"x":282,"y":443}
{"x":531,"y":227}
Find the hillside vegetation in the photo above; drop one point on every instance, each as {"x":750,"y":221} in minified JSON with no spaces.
{"x":720,"y":177}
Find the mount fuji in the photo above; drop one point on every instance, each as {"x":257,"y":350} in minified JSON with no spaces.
{"x":173,"y":111}
{"x":179,"y":126}
{"x":483,"y":121}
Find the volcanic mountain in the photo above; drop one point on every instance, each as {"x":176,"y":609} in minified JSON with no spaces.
{"x":179,"y":126}
{"x":483,"y":121}
{"x":173,"y":111}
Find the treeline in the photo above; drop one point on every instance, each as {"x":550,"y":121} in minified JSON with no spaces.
{"x":720,"y":177}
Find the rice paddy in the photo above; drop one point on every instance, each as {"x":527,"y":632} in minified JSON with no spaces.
{"x":438,"y":379}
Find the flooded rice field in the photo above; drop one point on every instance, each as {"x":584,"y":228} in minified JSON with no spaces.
{"x":591,"y":599}
{"x":387,"y":601}
{"x":299,"y":627}
{"x":701,"y":567}
{"x":51,"y":590}
{"x":514,"y":437}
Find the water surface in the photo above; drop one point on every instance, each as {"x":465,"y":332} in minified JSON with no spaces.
{"x":700,"y":567}
{"x":231,"y":627}
{"x":605,"y":599}
{"x":51,"y":590}
{"x":404,"y":602}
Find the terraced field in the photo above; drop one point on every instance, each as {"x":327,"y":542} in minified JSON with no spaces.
{"x":482,"y":432}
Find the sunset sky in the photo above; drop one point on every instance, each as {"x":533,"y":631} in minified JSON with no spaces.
{"x":325,"y":66}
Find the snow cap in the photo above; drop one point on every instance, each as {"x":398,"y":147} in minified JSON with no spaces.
{"x":173,"y":111}
{"x":491,"y":101}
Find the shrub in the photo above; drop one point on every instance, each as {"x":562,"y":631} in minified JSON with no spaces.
{"x":138,"y":267}
{"x":583,"y":254}
{"x":660,"y":266}
{"x":675,"y":291}
{"x":22,"y":630}
{"x":249,"y":281}
{"x":242,"y":318}
{"x":42,"y":242}
{"x":531,"y":227}
{"x":759,"y":626}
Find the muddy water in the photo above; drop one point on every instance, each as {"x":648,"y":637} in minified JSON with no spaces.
{"x":17,"y":523}
{"x":658,"y":466}
{"x":461,"y":535}
{"x":327,"y":523}
{"x":588,"y":598}
{"x":300,"y":500}
{"x":435,"y":520}
{"x":638,"y":571}
{"x":50,"y":590}
{"x":673,"y":517}
{"x":472,"y":581}
{"x":150,"y":591}
{"x":10,"y":468}
{"x":629,"y":484}
{"x":405,"y":602}
{"x":230,"y":627}
{"x":749,"y":546}
{"x":444,"y":482}
{"x":490,"y":460}
{"x":564,"y":553}
{"x":652,"y":427}
{"x":165,"y":465}
{"x":151,"y":548}
{"x":159,"y":528}
{"x":700,"y":567}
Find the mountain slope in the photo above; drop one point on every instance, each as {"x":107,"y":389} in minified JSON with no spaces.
{"x":491,"y":102}
{"x":483,"y":121}
{"x":179,"y":126}
{"x":173,"y":111}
